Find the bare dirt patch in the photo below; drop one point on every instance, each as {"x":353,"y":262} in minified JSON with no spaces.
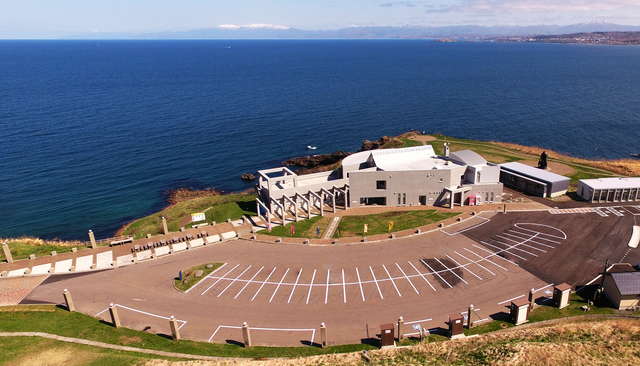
{"x":67,"y":356}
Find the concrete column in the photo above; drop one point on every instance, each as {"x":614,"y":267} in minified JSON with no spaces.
{"x":165,"y":229}
{"x":115,"y":319}
{"x":68,"y":300}
{"x":470,"y":317}
{"x":246,"y":335}
{"x":92,"y":238}
{"x":175,"y":331}
{"x":7,"y":252}
{"x":323,"y":335}
{"x":400,"y":329}
{"x":532,"y":300}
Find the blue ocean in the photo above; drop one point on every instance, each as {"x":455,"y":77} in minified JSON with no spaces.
{"x":94,"y":133}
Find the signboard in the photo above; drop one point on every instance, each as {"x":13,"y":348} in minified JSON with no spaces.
{"x":198,"y":216}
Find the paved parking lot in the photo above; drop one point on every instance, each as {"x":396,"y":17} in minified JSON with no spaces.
{"x":285,"y":291}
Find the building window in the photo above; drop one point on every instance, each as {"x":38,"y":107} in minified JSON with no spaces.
{"x":381,"y":184}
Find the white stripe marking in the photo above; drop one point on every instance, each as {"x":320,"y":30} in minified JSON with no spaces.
{"x":421,"y":275}
{"x":344,"y":288}
{"x":265,"y":281}
{"x":326,"y":294}
{"x":294,"y":286}
{"x":376,"y":281}
{"x":232,"y":282}
{"x":248,"y":282}
{"x":209,"y":276}
{"x":219,"y":279}
{"x":506,"y":301}
{"x":311,"y":285}
{"x":277,"y":287}
{"x":461,"y":266}
{"x":449,"y":269}
{"x":360,"y":283}
{"x":405,"y":276}
{"x":476,"y":263}
{"x":434,"y":272}
{"x":394,"y":284}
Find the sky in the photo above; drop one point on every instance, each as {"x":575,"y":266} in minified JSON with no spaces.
{"x":58,"y":18}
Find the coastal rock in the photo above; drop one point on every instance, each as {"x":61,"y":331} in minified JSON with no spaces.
{"x":372,"y":145}
{"x":209,"y":266}
{"x":199,"y":273}
{"x":317,"y":160}
{"x":186,"y":193}
{"x":248,"y":176}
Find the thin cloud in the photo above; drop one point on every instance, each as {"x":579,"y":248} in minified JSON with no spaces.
{"x":407,"y":4}
{"x":533,"y":6}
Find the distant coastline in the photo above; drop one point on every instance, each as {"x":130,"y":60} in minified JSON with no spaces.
{"x":609,"y":38}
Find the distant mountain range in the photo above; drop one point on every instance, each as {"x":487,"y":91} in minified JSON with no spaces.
{"x":269,"y":31}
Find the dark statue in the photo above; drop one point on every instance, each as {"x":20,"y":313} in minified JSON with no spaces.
{"x":542,"y":163}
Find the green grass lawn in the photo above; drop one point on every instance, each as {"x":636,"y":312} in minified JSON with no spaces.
{"x":190,"y":274}
{"x":78,"y":325}
{"x":218,"y":209}
{"x":20,"y":250}
{"x":548,"y":312}
{"x":379,"y":223}
{"x":303,"y":229}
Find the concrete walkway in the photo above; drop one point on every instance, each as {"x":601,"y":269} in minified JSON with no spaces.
{"x":115,"y":346}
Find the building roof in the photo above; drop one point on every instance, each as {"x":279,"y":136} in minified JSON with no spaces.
{"x":468,"y":157}
{"x":612,"y":183}
{"x":533,"y":172}
{"x":628,"y":283}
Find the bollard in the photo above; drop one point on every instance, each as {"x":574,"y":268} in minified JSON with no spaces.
{"x":68,"y":300}
{"x":470,"y":317}
{"x":531,"y":299}
{"x":246,"y":335}
{"x":115,"y":319}
{"x":400,"y":329}
{"x":92,"y":238}
{"x":175,"y":331}
{"x":7,"y":252}
{"x":323,"y":335}
{"x":165,"y":229}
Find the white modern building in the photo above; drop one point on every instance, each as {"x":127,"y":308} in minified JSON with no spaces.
{"x":609,"y":189}
{"x":389,"y":177}
{"x":532,"y":180}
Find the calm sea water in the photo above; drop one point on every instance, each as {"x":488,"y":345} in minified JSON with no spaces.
{"x":94,"y":133}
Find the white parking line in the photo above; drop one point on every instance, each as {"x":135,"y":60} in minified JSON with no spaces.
{"x":506,"y":301}
{"x":421,"y":275}
{"x":326,"y":294}
{"x":494,"y":254}
{"x":219,"y":279}
{"x":277,"y":287}
{"x":407,"y":277}
{"x":504,"y":250}
{"x":419,"y":321}
{"x":469,"y":228}
{"x":376,"y":281}
{"x":265,"y":281}
{"x":486,"y":259}
{"x":209,"y":276}
{"x":360,"y":283}
{"x":150,"y":314}
{"x":294,"y":286}
{"x":232,"y":282}
{"x":564,"y":236}
{"x":520,"y":243}
{"x":476,"y":263}
{"x":461,"y":266}
{"x":436,"y":273}
{"x":543,"y":287}
{"x":449,"y":269}
{"x":344,"y":288}
{"x":539,"y":237}
{"x":248,"y":282}
{"x":393,"y":283}
{"x":311,"y":285}
{"x":531,"y":241}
